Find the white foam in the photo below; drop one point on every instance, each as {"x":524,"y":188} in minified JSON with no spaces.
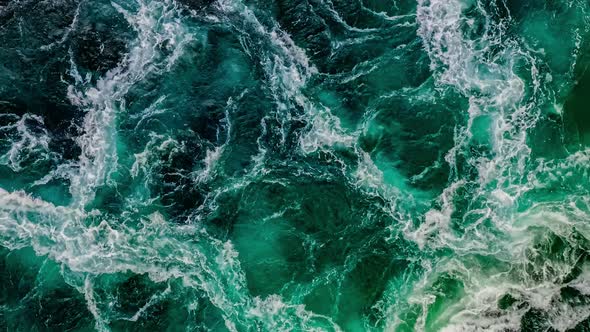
{"x":325,"y":132}
{"x":512,"y":239}
{"x":24,"y":141}
{"x":205,"y":263}
{"x":149,"y":158}
{"x":88,"y":243}
{"x":287,"y":71}
{"x":101,"y":324}
{"x":277,"y":316}
{"x":437,"y":221}
{"x":157,"y":24}
{"x":494,"y":90}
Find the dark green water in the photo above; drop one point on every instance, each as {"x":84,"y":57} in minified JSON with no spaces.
{"x":302,"y":165}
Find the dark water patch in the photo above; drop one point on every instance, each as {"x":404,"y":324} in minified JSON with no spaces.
{"x":197,"y":4}
{"x":520,"y":9}
{"x":306,"y":27}
{"x":547,"y":138}
{"x":365,"y":285}
{"x":141,"y":304}
{"x":100,"y":38}
{"x":246,"y":132}
{"x":412,"y":136}
{"x":33,"y":287}
{"x":305,"y":235}
{"x":506,"y":301}
{"x":40,"y":61}
{"x":535,"y":320}
{"x":576,"y":107}
{"x":38,"y":118}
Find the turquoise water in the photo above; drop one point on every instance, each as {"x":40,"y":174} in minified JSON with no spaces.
{"x":303,"y":165}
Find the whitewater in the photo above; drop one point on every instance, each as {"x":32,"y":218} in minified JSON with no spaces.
{"x":302,"y":165}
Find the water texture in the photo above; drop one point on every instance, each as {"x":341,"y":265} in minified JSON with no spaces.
{"x":295,"y":165}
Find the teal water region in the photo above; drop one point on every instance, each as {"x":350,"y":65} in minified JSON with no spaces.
{"x":302,"y":165}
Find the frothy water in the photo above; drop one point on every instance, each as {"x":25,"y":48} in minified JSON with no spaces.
{"x":294,"y":166}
